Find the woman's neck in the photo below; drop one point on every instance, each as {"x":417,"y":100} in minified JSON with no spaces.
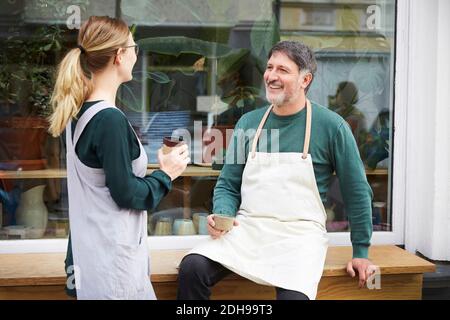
{"x":105,"y":88}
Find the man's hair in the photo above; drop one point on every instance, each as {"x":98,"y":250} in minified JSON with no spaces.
{"x":298,"y":52}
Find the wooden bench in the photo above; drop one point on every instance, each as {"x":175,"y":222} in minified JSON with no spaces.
{"x":41,"y":276}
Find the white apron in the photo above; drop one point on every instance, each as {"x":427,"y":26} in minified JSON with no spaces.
{"x":109,"y":244}
{"x":281,"y":239}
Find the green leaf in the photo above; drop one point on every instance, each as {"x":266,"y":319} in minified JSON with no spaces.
{"x":231,"y":63}
{"x":158,"y":76}
{"x":264,"y":35}
{"x":229,"y":60}
{"x":176,"y":46}
{"x":133,"y":29}
{"x":135,"y":103}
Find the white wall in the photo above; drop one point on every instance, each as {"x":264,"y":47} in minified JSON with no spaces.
{"x":427,"y":198}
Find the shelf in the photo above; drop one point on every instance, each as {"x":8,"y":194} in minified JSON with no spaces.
{"x":191,"y":171}
{"x":377,"y":172}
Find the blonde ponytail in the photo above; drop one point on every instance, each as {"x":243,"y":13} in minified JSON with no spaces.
{"x":71,"y":89}
{"x":98,"y":41}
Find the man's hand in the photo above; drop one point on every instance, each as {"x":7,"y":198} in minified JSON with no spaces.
{"x":216,"y":233}
{"x":364,"y":267}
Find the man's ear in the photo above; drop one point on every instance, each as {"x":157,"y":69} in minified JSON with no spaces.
{"x":307,"y":80}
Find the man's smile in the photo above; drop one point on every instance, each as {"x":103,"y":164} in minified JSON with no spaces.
{"x":274,"y":85}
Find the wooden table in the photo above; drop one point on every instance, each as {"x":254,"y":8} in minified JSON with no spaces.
{"x":41,"y":276}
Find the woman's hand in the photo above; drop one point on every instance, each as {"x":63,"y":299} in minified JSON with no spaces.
{"x":216,"y":233}
{"x":174,"y":162}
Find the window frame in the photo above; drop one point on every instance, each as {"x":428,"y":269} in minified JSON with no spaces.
{"x":398,"y":168}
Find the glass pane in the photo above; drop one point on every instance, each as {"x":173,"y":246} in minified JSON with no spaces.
{"x":201,"y":64}
{"x":355,"y":49}
{"x":201,"y":68}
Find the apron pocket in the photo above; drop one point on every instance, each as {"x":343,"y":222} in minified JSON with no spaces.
{"x":131,"y":264}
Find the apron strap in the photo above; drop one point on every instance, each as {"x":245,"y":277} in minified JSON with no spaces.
{"x":69,"y":135}
{"x":86,"y":117}
{"x":307,"y":130}
{"x":258,"y":131}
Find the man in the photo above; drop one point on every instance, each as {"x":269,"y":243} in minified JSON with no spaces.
{"x":279,"y":236}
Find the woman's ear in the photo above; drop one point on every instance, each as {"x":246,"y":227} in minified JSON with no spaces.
{"x":118,"y":56}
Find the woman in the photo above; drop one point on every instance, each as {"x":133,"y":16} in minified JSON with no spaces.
{"x":109,"y":191}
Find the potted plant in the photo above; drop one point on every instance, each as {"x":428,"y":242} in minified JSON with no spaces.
{"x":26,"y":82}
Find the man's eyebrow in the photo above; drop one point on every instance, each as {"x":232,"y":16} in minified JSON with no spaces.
{"x":283,"y":67}
{"x":280,"y":66}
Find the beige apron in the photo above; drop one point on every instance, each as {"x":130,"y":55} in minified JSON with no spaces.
{"x":281,"y":239}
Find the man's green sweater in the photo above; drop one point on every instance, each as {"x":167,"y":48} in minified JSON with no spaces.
{"x":332,"y":148}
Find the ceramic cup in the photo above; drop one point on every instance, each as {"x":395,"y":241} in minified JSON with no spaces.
{"x":184,"y":227}
{"x":223,"y":222}
{"x":176,"y":226}
{"x":163,"y":227}
{"x":196,"y":217}
{"x":203,"y":225}
{"x":170,"y":142}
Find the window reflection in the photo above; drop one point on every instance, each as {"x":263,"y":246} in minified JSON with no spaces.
{"x":354,"y":45}
{"x":210,"y":71}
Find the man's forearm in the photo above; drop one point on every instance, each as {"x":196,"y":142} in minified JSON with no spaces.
{"x":227,"y":193}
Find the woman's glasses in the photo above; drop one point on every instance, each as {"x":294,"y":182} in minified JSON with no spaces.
{"x":136,"y":48}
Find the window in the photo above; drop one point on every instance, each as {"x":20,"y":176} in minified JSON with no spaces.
{"x":354,"y":46}
{"x":201,"y":64}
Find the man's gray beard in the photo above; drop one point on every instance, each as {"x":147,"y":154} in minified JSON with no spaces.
{"x":277,"y":101}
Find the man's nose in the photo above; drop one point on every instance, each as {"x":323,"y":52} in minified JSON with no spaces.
{"x":271,"y":75}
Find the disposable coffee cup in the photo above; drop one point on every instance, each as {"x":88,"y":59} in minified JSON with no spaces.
{"x":223,"y":222}
{"x":171,"y":142}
